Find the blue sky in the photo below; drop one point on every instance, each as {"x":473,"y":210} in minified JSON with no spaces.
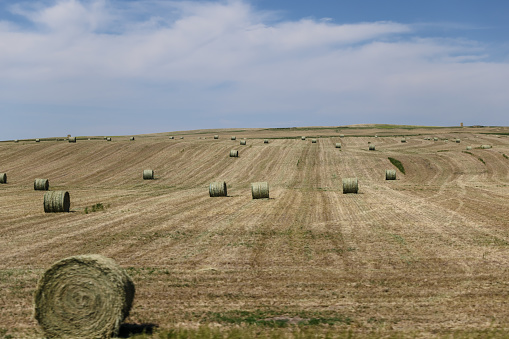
{"x":129,"y":67}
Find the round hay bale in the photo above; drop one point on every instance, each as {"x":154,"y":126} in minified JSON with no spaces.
{"x":371,"y":147}
{"x":234,"y":138}
{"x":56,"y":201}
{"x":302,"y":138}
{"x":108,"y":139}
{"x":243,"y":142}
{"x":341,"y":135}
{"x":469,"y":148}
{"x":41,"y":184}
{"x":313,"y":141}
{"x":85,"y":296}
{"x":148,"y":174}
{"x":403,"y":140}
{"x":3,"y":178}
{"x":458,"y":141}
{"x":350,"y":185}
{"x":218,"y":189}
{"x":181,"y":137}
{"x":131,"y":139}
{"x":265,"y":141}
{"x":234,"y":153}
{"x":16,"y":140}
{"x":390,"y":174}
{"x":72,"y":139}
{"x":37,"y":140}
{"x":485,"y":146}
{"x":435,"y":139}
{"x":338,"y":145}
{"x":260,"y":190}
{"x":172,"y":138}
{"x":216,"y":136}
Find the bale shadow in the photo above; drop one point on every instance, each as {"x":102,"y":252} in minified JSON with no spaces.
{"x":128,"y":330}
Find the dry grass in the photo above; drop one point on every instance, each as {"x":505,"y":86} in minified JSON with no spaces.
{"x":432,"y":263}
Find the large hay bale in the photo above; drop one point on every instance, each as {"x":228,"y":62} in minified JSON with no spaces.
{"x":16,"y":140}
{"x":3,"y":178}
{"x":303,"y":138}
{"x":181,"y":137}
{"x":216,"y":136}
{"x":350,"y":185}
{"x":469,"y":148}
{"x":313,"y":141}
{"x":41,"y":184}
{"x":371,"y":147}
{"x":172,"y":138}
{"x":85,"y":296}
{"x":234,"y":138}
{"x":435,"y":139}
{"x":218,"y":189}
{"x":131,"y":139}
{"x":485,"y":146}
{"x":458,"y":141}
{"x":56,"y":201}
{"x":265,"y":141}
{"x":260,"y":190}
{"x":243,"y":142}
{"x":234,"y":153}
{"x":390,"y":174}
{"x":338,"y":145}
{"x":341,"y":135}
{"x":72,"y":139}
{"x":148,"y":174}
{"x":37,"y":140}
{"x":403,"y":140}
{"x":108,"y":139}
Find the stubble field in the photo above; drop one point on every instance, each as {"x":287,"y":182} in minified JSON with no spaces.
{"x":424,"y":255}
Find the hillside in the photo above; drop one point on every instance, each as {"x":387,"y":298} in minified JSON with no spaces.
{"x":426,"y":254}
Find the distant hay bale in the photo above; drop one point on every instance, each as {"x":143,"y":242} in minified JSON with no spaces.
{"x":403,"y":140}
{"x":302,"y":138}
{"x":216,"y":136}
{"x":371,"y":147}
{"x":265,"y":141}
{"x":148,"y":174}
{"x":172,"y":138}
{"x":260,"y":190}
{"x":3,"y":178}
{"x":234,"y":138}
{"x":313,"y":141}
{"x":234,"y":153}
{"x":218,"y":189}
{"x":341,"y":135}
{"x":16,"y":140}
{"x":469,"y":148}
{"x":131,"y":139}
{"x":458,"y":141}
{"x":85,"y":296}
{"x":485,"y":146}
{"x":72,"y":139}
{"x":41,"y":184}
{"x":181,"y":137}
{"x":108,"y":139}
{"x":338,"y":145}
{"x":37,"y":140}
{"x":350,"y":185}
{"x":56,"y":201}
{"x":243,"y":142}
{"x":390,"y":174}
{"x":435,"y":139}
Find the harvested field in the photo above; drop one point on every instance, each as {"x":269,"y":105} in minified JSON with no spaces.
{"x":424,"y":255}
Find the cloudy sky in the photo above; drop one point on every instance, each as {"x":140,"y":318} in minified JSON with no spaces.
{"x":112,"y":67}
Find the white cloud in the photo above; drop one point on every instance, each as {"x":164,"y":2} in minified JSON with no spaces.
{"x":214,"y":59}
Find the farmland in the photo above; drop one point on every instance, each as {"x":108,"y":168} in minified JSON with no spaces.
{"x":424,"y":255}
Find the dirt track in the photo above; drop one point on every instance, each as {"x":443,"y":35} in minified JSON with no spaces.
{"x":427,"y":253}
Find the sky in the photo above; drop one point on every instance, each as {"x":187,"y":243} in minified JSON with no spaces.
{"x":111,"y":67}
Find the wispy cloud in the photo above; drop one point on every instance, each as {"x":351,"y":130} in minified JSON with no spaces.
{"x":225,"y":61}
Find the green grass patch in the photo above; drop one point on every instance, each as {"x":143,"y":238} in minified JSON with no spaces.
{"x":94,"y":208}
{"x":398,"y":164}
{"x":505,"y":156}
{"x":479,"y":158}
